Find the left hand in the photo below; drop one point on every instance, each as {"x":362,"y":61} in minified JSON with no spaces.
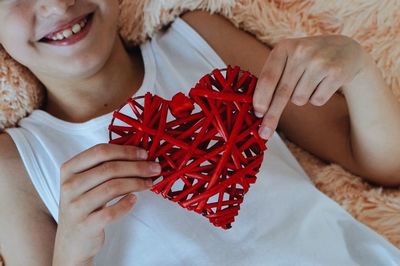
{"x":309,"y":69}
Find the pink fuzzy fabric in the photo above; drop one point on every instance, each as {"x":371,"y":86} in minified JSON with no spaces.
{"x":373,"y":23}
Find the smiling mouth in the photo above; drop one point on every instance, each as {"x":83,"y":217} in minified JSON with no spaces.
{"x":68,"y":32}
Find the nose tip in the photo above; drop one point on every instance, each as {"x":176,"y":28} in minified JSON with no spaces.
{"x":54,"y":7}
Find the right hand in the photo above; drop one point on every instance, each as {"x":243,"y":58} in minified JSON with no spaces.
{"x":88,"y":181}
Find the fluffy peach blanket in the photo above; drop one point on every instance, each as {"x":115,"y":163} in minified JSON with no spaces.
{"x":373,"y":23}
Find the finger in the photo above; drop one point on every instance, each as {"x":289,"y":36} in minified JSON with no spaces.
{"x":101,"y":195}
{"x":291,"y":76}
{"x":85,"y":181}
{"x":306,"y":86}
{"x":100,"y":153}
{"x":99,"y":219}
{"x":268,"y":80}
{"x":325,"y":91}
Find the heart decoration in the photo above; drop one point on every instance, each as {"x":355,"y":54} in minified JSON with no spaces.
{"x":207,"y":144}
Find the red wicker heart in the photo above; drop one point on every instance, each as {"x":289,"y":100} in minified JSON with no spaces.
{"x":208,"y":145}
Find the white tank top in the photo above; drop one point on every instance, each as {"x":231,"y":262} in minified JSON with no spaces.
{"x":284,"y":219}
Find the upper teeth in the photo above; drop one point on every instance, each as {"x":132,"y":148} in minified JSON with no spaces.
{"x":70,"y":31}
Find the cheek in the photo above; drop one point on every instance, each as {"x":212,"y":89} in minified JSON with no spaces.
{"x":16,"y":30}
{"x":14,"y":38}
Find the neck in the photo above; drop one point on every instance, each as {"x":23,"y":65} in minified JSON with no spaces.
{"x":103,"y":92}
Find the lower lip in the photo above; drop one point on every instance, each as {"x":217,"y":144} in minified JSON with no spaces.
{"x":76,"y":37}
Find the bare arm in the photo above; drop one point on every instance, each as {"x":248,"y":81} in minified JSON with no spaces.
{"x":27,"y":230}
{"x":322,"y":130}
{"x":375,"y":125}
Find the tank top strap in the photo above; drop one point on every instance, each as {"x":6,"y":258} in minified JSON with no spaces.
{"x":197,"y":42}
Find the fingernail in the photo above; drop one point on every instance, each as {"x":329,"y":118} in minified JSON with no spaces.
{"x":148,"y":182}
{"x":265,"y":132}
{"x":143,"y":154}
{"x":155,"y":168}
{"x":259,"y":115}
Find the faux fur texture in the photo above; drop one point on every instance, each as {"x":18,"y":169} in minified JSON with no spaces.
{"x":373,"y":23}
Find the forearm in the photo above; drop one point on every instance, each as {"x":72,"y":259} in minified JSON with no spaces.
{"x":375,"y":125}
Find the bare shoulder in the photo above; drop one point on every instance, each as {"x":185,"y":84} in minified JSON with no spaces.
{"x":7,"y":147}
{"x":14,"y":174}
{"x":10,"y":162}
{"x":26,"y":227}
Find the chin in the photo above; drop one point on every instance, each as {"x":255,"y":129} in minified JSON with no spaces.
{"x":83,"y":66}
{"x":91,"y":60}
{"x":79,"y":72}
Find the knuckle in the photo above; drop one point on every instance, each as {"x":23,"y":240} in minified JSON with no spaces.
{"x":300,"y":99}
{"x":113,"y":187}
{"x":101,"y":150}
{"x":260,"y":107}
{"x":140,"y":153}
{"x":318,"y":63}
{"x":67,"y":191}
{"x":142,"y":168}
{"x":335,"y":71}
{"x":108,"y":168}
{"x":64,"y":167}
{"x":65,"y":195}
{"x":284,"y":43}
{"x":278,"y":46}
{"x":284,"y":91}
{"x":137,"y":152}
{"x":302,"y":50}
{"x":318,"y":100}
{"x":271,"y":119}
{"x":110,"y":215}
{"x":265,"y":78}
{"x":64,"y":171}
{"x":280,"y":49}
{"x":142,"y":185}
{"x":67,"y":187}
{"x":129,"y":149}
